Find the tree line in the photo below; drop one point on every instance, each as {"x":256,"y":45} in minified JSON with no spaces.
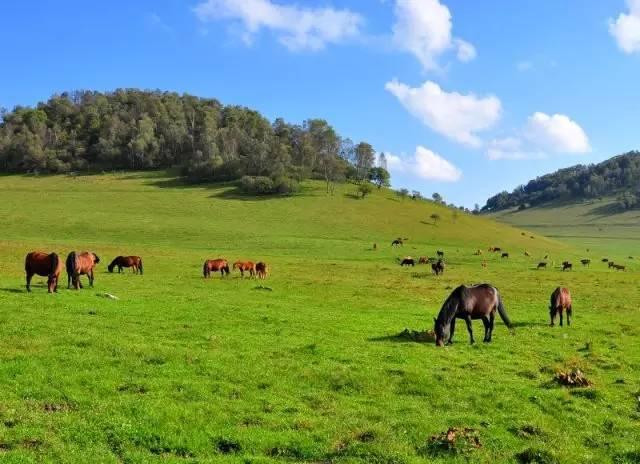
{"x":131,"y":129}
{"x":618,"y":176}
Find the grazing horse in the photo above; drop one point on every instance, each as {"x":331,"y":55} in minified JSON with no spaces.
{"x":215,"y":265}
{"x":440,"y":254}
{"x":541,"y":265}
{"x":408,"y":261}
{"x":505,"y":255}
{"x":261,"y":270}
{"x":484,"y":263}
{"x":566,"y":265}
{"x":619,"y":267}
{"x":585,"y":262}
{"x":526,"y":253}
{"x":495,"y":249}
{"x":611,"y":264}
{"x":397,"y":242}
{"x":423,"y":260}
{"x":438,"y":267}
{"x":134,"y":262}
{"x":375,"y":246}
{"x":560,"y":301}
{"x":78,"y":264}
{"x":478,"y":252}
{"x":605,"y":260}
{"x":43,"y":264}
{"x":468,"y":303}
{"x":243,"y":266}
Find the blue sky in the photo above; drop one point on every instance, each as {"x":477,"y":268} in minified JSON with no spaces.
{"x":467,"y":98}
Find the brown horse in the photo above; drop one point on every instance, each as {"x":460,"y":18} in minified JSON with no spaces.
{"x":408,"y":261}
{"x":43,"y":264}
{"x":468,"y":303}
{"x":438,"y":267}
{"x":541,"y":265}
{"x":585,"y":262}
{"x":134,"y":262}
{"x":243,"y":266}
{"x":619,"y":267}
{"x":215,"y":265}
{"x":423,"y":260}
{"x":79,"y":264}
{"x":505,"y":255}
{"x":560,"y":301}
{"x":262,"y":270}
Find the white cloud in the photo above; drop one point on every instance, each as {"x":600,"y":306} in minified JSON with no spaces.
{"x":425,"y":164}
{"x":297,"y":28}
{"x":542,"y":136}
{"x":456,"y":116}
{"x":557,"y":133}
{"x":626,"y":28}
{"x":524,"y":66}
{"x":423,"y":28}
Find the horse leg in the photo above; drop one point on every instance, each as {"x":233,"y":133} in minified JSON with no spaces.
{"x":569,"y":310}
{"x":29,"y":276}
{"x":91,"y":278}
{"x":561,"y":317}
{"x":451,"y":331}
{"x":552,"y":315}
{"x":467,"y":319}
{"x":492,"y":319}
{"x":485,"y":322}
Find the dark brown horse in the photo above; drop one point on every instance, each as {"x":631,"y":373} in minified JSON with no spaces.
{"x":79,"y":264}
{"x":397,"y":242}
{"x":438,"y":267}
{"x":585,"y":262}
{"x":262,"y":269}
{"x":43,"y":264}
{"x":215,"y":265}
{"x":408,"y":261}
{"x":134,"y":262}
{"x":440,"y":254}
{"x":468,"y":303}
{"x":560,"y":301}
{"x":245,"y":266}
{"x":505,"y":255}
{"x":541,"y":265}
{"x":566,"y":265}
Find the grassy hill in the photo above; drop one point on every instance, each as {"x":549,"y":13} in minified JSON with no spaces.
{"x":307,"y":366}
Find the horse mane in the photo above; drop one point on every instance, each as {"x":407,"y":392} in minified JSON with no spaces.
{"x":114,"y":262}
{"x":450,"y":306}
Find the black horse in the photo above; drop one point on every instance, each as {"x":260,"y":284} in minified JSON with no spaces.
{"x":408,"y":262}
{"x":438,"y":267}
{"x":468,"y":303}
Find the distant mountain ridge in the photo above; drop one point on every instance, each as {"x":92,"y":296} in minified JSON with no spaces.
{"x":618,"y":176}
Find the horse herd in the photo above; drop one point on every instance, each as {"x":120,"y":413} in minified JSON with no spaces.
{"x":77,"y":264}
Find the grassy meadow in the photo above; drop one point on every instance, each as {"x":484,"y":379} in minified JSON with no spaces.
{"x":307,"y":366}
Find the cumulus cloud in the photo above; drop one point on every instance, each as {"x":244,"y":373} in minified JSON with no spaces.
{"x":542,"y":136}
{"x":425,"y":164}
{"x":297,"y":28}
{"x":626,"y":28}
{"x":423,"y":28}
{"x":454,"y":115}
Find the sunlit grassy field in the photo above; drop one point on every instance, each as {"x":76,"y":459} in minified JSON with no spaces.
{"x":306,"y":366}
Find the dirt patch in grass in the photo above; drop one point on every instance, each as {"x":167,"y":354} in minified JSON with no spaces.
{"x":573,"y":377}
{"x":456,"y":440}
{"x":536,"y":456}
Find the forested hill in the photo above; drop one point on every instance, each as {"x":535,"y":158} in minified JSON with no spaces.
{"x":134,"y":129}
{"x":618,"y":176}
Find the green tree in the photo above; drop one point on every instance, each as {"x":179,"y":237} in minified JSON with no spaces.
{"x":379,"y":176}
{"x":364,"y":157}
{"x":364,"y":189}
{"x":435,"y":218}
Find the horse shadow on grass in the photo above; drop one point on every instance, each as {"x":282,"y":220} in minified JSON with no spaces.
{"x":517,"y":324}
{"x":407,"y":336}
{"x":18,"y":290}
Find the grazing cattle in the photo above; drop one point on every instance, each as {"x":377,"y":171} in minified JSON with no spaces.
{"x":585,"y":262}
{"x":541,"y":265}
{"x":261,"y":270}
{"x":408,"y":261}
{"x":566,"y":265}
{"x":134,"y":262}
{"x":619,"y":267}
{"x":397,"y":242}
{"x":526,"y":253}
{"x":468,"y":303}
{"x":560,"y":301}
{"x":440,"y":254}
{"x":438,"y":267}
{"x":215,"y":265}
{"x":423,"y":260}
{"x":505,"y":255}
{"x":43,"y":264}
{"x":242,"y":266}
{"x":80,"y":264}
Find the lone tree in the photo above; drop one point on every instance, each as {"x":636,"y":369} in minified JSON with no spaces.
{"x":435,"y":217}
{"x":364,"y":189}
{"x":415,"y":195}
{"x":437,"y":197}
{"x":403,"y":193}
{"x":379,"y":176}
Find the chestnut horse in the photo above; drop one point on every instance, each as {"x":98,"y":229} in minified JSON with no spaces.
{"x":43,"y":264}
{"x":478,"y":302}
{"x":79,"y":264}
{"x":560,"y":301}
{"x":134,"y":262}
{"x":215,"y":265}
{"x":243,"y":266}
{"x":262,"y":270}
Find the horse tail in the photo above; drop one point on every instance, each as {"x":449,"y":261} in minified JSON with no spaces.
{"x":140,"y":267}
{"x":55,"y":262}
{"x":205,"y":268}
{"x":71,"y":267}
{"x":503,"y":312}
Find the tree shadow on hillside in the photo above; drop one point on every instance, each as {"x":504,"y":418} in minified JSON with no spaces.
{"x":407,"y":336}
{"x":353,"y":196}
{"x":426,"y":223}
{"x":608,"y":209}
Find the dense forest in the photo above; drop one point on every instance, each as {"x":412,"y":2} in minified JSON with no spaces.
{"x":135,"y":130}
{"x":618,"y":176}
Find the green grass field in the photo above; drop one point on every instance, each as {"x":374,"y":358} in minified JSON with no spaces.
{"x":310,"y":369}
